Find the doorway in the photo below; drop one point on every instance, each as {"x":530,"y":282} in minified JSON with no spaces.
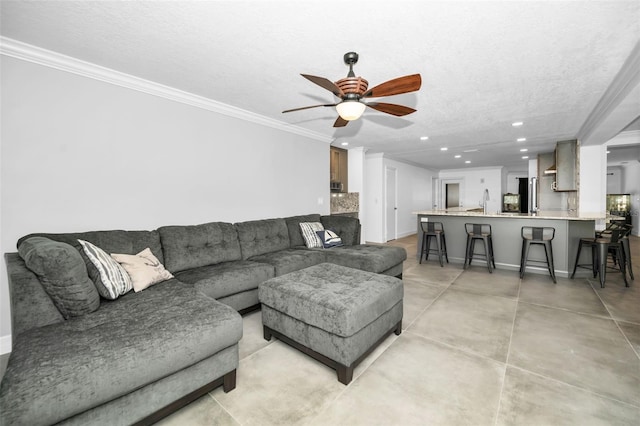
{"x":391,"y":204}
{"x":523,"y":190}
{"x":452,"y":195}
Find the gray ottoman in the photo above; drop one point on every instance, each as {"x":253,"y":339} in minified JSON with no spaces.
{"x":335,"y":314}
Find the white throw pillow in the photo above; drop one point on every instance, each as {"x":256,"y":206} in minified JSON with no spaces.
{"x":144,"y":269}
{"x":309,"y":230}
{"x":114,"y":280}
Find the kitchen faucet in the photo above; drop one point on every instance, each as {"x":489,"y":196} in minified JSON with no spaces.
{"x":485,"y":198}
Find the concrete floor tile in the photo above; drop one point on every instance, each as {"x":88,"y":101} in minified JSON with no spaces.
{"x":632,"y":332}
{"x":279,"y":385}
{"x":528,"y":399}
{"x":469,"y":321}
{"x":252,"y":336}
{"x":477,"y":279}
{"x":572,"y":294}
{"x":418,"y":382}
{"x":581,"y":350}
{"x":622,"y":302}
{"x":201,"y":412}
{"x":416,"y":298}
{"x":432,"y":273}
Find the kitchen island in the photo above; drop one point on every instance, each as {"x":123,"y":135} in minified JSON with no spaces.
{"x":507,"y":240}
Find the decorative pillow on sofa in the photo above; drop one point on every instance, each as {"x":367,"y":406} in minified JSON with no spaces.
{"x":63,"y":275}
{"x":329,"y":238}
{"x":311,"y":239}
{"x":144,"y":269}
{"x":112,"y":280}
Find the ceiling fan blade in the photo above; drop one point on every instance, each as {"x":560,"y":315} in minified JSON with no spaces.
{"x":340,"y":122}
{"x":307,"y":107}
{"x":325,"y":84}
{"x":393,"y":109}
{"x":406,"y":84}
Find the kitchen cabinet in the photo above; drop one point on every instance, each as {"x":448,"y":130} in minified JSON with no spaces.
{"x":566,"y":166}
{"x":338,"y":169}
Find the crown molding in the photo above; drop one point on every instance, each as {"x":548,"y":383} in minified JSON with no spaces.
{"x":624,"y":85}
{"x":26,"y":52}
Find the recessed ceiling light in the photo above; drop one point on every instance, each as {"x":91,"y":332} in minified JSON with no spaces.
{"x":524,"y":150}
{"x":457,"y":156}
{"x":608,"y":152}
{"x":424,"y":138}
{"x":467,"y":162}
{"x":524,"y":157}
{"x":517,"y":123}
{"x":521,"y":139}
{"x":444,"y":148}
{"x":345,"y":143}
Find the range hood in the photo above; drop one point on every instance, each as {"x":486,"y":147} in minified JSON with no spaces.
{"x":551,"y":170}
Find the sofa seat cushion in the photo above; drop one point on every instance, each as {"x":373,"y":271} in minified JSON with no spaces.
{"x":367,"y":257}
{"x":228,"y":278}
{"x":289,"y":260}
{"x":70,"y":367}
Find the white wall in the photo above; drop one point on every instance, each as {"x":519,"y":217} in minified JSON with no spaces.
{"x":614,"y":180}
{"x":476,"y":180}
{"x":413,"y":193}
{"x":79,"y":154}
{"x":593,"y":182}
{"x":373,"y":227}
{"x":631,"y":185}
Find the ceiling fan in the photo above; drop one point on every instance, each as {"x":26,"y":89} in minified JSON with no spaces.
{"x":352,"y":90}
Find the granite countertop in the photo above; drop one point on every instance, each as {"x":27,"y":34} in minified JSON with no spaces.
{"x":540,"y":215}
{"x":345,"y":202}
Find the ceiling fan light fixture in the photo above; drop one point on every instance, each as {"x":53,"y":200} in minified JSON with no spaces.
{"x":350,"y":110}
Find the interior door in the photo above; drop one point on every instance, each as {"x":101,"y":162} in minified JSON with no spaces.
{"x":391,"y":208}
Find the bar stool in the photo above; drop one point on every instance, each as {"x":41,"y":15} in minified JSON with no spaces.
{"x":542,"y":236}
{"x":611,"y":244}
{"x":433,"y":230}
{"x":590,"y":242}
{"x":479,"y":231}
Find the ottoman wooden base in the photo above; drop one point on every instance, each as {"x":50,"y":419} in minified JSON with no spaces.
{"x":345,"y":373}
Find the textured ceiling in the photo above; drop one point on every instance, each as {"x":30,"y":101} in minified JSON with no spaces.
{"x":484,"y":64}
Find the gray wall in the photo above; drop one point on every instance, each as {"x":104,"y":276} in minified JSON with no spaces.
{"x":81,"y":154}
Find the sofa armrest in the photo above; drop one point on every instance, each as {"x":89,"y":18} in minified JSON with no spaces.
{"x":31,"y":306}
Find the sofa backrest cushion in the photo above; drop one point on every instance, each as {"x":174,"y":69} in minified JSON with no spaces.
{"x":117,"y":241}
{"x":293,"y":226}
{"x":193,"y":246}
{"x":347,"y":228}
{"x":262,"y":236}
{"x":63,"y":275}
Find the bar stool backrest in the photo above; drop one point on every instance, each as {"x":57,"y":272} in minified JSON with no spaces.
{"x":537,"y":233}
{"x":478,"y":229}
{"x":432,"y":227}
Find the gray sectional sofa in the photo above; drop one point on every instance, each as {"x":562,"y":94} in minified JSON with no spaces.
{"x":144,"y":355}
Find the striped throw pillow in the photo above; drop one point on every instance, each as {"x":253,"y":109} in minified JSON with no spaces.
{"x":311,"y":239}
{"x":113,"y":280}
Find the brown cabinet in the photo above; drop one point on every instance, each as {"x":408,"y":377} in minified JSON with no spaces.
{"x":338,"y":169}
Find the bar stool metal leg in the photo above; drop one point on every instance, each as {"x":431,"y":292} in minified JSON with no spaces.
{"x":627,"y":252}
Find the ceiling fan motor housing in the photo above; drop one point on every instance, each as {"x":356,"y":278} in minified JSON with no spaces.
{"x":353,"y":85}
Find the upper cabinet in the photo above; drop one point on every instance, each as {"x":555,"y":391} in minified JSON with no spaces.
{"x":338,"y":169}
{"x":567,"y":165}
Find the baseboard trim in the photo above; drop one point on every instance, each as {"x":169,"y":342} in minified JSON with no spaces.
{"x":5,"y":344}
